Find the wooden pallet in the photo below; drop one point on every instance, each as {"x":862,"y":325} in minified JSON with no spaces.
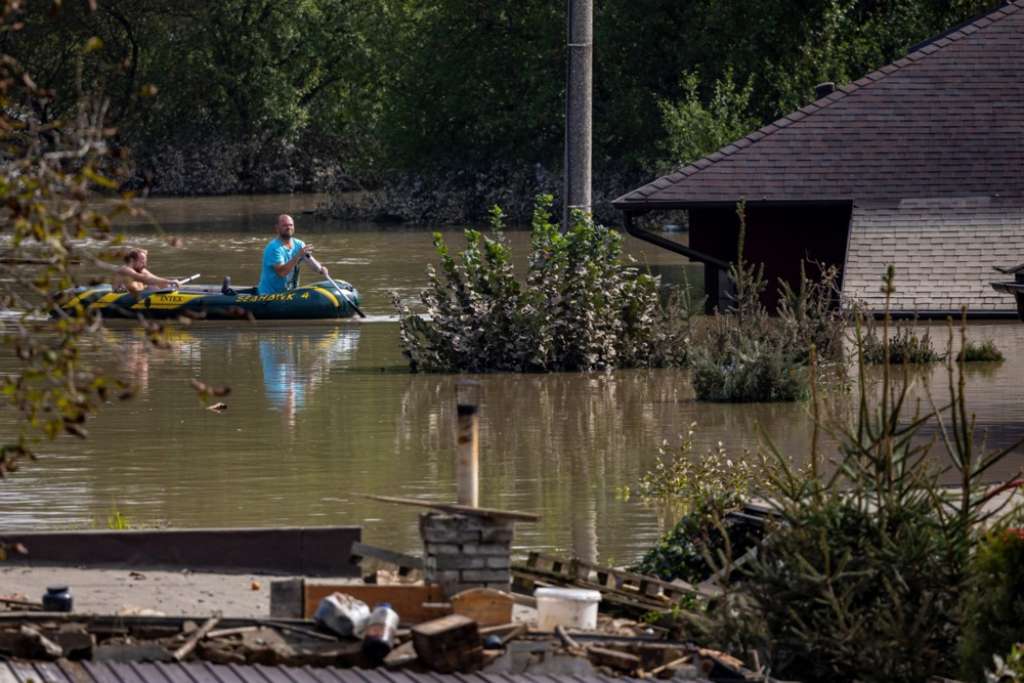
{"x":621,"y":591}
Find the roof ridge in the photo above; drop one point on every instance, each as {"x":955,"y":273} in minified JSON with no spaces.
{"x":922,"y":50}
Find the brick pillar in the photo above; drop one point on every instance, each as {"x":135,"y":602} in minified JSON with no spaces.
{"x":466,"y":551}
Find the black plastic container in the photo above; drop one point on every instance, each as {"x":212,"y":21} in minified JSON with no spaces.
{"x":57,"y":599}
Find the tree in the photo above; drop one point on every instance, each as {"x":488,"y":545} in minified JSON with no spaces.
{"x":51,"y":170}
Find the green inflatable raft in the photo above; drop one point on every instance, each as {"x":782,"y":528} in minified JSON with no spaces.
{"x":317,"y":301}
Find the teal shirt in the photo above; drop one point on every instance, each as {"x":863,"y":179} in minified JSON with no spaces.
{"x":276,"y":254}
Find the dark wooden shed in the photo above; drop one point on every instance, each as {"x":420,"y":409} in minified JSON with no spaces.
{"x":919,"y":164}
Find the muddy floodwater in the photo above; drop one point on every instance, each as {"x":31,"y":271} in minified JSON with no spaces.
{"x":320,"y":414}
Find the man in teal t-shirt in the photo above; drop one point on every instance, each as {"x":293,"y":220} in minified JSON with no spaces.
{"x":281,"y":259}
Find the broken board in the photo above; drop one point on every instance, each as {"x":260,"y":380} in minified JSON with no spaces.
{"x":485,"y":606}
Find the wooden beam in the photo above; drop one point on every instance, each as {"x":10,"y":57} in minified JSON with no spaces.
{"x":460,"y":509}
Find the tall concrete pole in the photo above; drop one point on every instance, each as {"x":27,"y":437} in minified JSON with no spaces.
{"x":578,"y":95}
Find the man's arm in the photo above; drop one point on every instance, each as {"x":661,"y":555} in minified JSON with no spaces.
{"x":146,"y":277}
{"x":285,"y":267}
{"x":318,"y":267}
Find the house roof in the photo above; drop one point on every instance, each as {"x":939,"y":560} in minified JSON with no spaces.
{"x":943,"y":251}
{"x":64,"y":671}
{"x":946,"y":120}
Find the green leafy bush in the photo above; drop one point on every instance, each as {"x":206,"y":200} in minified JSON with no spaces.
{"x":995,"y":607}
{"x":985,"y":352}
{"x":582,"y":306}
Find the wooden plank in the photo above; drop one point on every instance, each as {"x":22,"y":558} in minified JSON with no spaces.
{"x":485,"y":606}
{"x":460,"y":509}
{"x":193,"y":640}
{"x":410,"y":601}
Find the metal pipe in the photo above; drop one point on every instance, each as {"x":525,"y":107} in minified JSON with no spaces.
{"x":467,"y":456}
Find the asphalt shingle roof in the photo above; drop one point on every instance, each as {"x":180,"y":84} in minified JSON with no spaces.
{"x":943,"y":251}
{"x":946,"y":120}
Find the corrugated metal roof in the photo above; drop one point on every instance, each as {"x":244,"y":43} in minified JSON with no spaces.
{"x":204,"y":672}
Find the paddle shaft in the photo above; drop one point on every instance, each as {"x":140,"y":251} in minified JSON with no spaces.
{"x":341,"y":291}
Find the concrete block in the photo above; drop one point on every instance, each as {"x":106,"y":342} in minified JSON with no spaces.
{"x":442,"y":548}
{"x":459,"y":562}
{"x":484,"y":575}
{"x":487,"y":549}
{"x":497,"y":562}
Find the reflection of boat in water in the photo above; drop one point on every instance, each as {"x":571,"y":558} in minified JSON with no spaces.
{"x":1016,"y":288}
{"x":320,"y":300}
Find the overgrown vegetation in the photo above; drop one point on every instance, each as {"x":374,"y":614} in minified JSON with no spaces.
{"x":743,"y":354}
{"x":905,"y":346}
{"x":581,"y":306}
{"x":377,"y":85}
{"x":866,"y":575}
{"x":51,"y":170}
{"x":980,"y":352}
{"x":697,"y":489}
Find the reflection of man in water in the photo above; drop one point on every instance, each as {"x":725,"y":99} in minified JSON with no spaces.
{"x":135,"y":362}
{"x":293,"y":362}
{"x":285,"y":390}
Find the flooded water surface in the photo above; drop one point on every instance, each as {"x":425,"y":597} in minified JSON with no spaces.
{"x":321,"y":414}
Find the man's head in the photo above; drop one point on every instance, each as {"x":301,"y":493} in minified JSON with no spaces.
{"x":285,"y":226}
{"x":136,"y":258}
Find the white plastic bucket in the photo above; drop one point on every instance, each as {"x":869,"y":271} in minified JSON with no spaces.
{"x":569,"y":607}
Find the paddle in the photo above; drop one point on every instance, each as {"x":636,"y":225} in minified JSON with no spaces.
{"x":340,"y":290}
{"x":181,"y":283}
{"x":172,"y":289}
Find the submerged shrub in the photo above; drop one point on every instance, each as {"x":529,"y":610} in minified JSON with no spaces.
{"x":747,"y":372}
{"x":905,"y":346}
{"x":810,"y":314}
{"x":582,"y":306}
{"x":744,"y":355}
{"x":683,"y":480}
{"x":985,"y":352}
{"x":701,"y":488}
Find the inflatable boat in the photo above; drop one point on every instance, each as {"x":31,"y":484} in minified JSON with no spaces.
{"x":316,"y":301}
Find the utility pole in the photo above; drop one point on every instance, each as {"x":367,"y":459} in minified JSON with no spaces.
{"x":578,"y":95}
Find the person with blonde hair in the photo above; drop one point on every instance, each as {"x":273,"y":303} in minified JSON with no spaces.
{"x":134,"y":277}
